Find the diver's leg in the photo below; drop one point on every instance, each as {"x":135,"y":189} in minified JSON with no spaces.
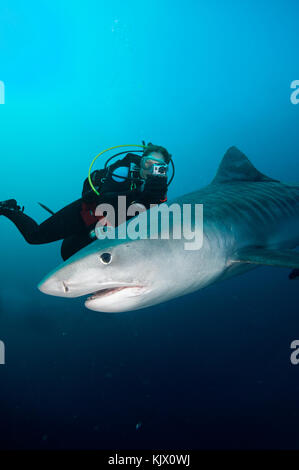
{"x":61,"y":225}
{"x":74,"y":243}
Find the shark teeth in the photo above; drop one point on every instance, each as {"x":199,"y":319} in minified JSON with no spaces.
{"x":110,"y":291}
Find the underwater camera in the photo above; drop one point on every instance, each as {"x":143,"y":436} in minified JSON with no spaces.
{"x":159,"y":170}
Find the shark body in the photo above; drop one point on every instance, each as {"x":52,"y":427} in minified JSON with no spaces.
{"x":249,"y":220}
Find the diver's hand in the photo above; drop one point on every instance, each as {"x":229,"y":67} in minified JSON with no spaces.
{"x":155,"y":188}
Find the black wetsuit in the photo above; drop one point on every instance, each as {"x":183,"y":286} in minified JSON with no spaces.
{"x":71,"y":225}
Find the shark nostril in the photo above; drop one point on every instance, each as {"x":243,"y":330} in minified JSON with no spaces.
{"x":66,"y":288}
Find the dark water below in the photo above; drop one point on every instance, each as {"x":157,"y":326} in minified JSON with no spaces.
{"x":210,"y":370}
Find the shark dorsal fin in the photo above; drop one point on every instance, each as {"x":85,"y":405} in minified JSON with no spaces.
{"x":235,"y":166}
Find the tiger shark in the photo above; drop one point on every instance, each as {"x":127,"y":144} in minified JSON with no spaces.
{"x":249,"y":220}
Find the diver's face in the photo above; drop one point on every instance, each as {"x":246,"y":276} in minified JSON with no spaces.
{"x":148,"y":161}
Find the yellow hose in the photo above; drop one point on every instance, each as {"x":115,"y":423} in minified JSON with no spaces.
{"x":101,"y":153}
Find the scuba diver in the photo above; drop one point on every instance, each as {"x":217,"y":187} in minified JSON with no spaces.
{"x":141,"y":178}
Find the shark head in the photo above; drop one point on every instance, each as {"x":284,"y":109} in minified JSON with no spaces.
{"x":121,"y":275}
{"x":117,"y":276}
{"x":104,"y":272}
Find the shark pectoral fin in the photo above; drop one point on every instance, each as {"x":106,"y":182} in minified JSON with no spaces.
{"x":264,"y":257}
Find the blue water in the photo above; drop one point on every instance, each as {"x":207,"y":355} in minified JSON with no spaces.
{"x":210,"y":370}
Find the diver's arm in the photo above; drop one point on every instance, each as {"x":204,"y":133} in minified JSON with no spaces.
{"x":112,"y":197}
{"x":155,"y":189}
{"x":154,"y":192}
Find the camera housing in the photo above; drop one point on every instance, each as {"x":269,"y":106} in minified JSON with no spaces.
{"x":159,"y":170}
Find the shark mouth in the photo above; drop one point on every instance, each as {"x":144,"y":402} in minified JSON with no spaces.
{"x":113,"y":290}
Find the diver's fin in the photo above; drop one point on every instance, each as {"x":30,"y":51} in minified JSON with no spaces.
{"x":262,"y":256}
{"x":10,"y":205}
{"x":235,"y":166}
{"x":294,"y":275}
{"x":46,"y":208}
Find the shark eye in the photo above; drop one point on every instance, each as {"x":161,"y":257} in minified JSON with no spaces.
{"x":106,"y":258}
